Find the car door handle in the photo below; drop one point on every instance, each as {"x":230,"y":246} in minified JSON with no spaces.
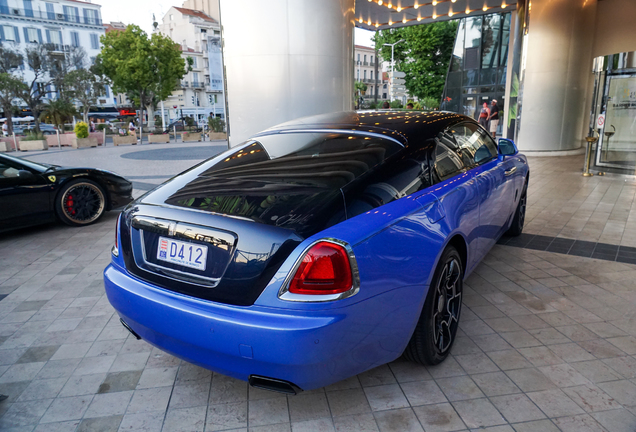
{"x":511,"y":171}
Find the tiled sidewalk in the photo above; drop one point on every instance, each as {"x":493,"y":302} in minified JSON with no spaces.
{"x":546,"y":341}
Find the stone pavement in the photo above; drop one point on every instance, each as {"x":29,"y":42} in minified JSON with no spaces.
{"x":546,"y":340}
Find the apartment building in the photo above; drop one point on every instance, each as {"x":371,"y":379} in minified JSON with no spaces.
{"x":201,"y":92}
{"x":365,"y":70}
{"x":61,"y":23}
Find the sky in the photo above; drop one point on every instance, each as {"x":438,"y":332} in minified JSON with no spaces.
{"x":140,"y":12}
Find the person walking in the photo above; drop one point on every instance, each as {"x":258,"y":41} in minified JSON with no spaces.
{"x":494,"y":118}
{"x":483,"y":116}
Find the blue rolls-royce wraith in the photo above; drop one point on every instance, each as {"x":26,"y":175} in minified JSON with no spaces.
{"x":319,"y":248}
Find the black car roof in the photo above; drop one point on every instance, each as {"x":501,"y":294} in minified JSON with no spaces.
{"x":407,"y":124}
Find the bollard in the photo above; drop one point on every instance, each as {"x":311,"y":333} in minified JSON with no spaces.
{"x":588,"y":156}
{"x":175,"y":134}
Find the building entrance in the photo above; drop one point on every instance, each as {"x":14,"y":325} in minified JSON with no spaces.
{"x":616,"y":112}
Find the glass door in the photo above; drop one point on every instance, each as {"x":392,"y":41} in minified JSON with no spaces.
{"x":617,"y":135}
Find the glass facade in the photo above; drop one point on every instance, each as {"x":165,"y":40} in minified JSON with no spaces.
{"x":477,"y":72}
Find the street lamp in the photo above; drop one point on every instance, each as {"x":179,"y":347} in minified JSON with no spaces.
{"x":393,"y":61}
{"x":392,"y":52}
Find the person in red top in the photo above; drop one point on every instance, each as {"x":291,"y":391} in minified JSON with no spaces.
{"x":494,"y":118}
{"x":484,"y":114}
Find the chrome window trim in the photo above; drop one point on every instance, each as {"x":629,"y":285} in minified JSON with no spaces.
{"x":338,"y":131}
{"x":284,"y":293}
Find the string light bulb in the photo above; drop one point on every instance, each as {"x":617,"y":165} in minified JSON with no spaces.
{"x":399,"y":9}
{"x":416,"y":5}
{"x":504,"y":5}
{"x":360,"y":20}
{"x":485,"y":8}
{"x":390,"y":5}
{"x":390,"y":22}
{"x":450,"y":13}
{"x":380,"y":2}
{"x":403,"y":20}
{"x":434,"y":2}
{"x":369,"y":22}
{"x":467,"y":11}
{"x":434,"y":16}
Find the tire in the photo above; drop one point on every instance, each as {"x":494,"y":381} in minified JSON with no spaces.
{"x":516,"y":227}
{"x":435,"y":331}
{"x":80,"y":202}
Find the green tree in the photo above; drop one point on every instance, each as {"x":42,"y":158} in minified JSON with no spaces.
{"x":423,"y":56}
{"x":10,"y":86}
{"x":151,"y":67}
{"x":85,"y":87}
{"x":57,"y":112}
{"x":40,"y":61}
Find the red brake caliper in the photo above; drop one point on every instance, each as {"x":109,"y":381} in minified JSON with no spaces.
{"x":69,"y":204}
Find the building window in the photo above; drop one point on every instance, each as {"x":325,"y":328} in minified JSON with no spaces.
{"x":94,"y":41}
{"x":365,"y":74}
{"x":195,"y":78}
{"x":4,"y":7}
{"x":358,"y":57}
{"x":358,"y":75}
{"x":9,"y":33}
{"x":371,"y":73}
{"x":91,"y":16}
{"x":33,"y":35}
{"x":50,"y":11}
{"x":71,"y":14}
{"x":75,"y":39}
{"x":371,"y":59}
{"x":171,"y":17}
{"x":365,"y":58}
{"x":54,"y":37}
{"x":194,"y":62}
{"x":28,"y":8}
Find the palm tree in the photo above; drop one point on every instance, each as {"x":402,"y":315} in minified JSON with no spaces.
{"x":57,"y":112}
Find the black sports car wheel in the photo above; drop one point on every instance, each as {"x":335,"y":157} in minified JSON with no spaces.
{"x":436,"y":329}
{"x":516,"y":228}
{"x":81,"y":202}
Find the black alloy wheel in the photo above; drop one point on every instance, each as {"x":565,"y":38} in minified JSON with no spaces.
{"x":516,"y":227}
{"x":80,"y":202}
{"x":436,"y":329}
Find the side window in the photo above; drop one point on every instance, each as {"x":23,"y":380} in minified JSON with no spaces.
{"x":474,"y":143}
{"x":447,"y":161}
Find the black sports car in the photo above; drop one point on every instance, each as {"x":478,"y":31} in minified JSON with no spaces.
{"x":33,"y":193}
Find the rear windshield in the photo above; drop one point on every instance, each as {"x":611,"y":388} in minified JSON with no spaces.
{"x":287,"y":180}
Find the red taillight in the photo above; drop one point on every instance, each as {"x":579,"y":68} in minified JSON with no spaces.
{"x":325,"y":269}
{"x":117,"y":233}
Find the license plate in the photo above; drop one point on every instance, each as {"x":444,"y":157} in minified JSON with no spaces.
{"x":182,"y":253}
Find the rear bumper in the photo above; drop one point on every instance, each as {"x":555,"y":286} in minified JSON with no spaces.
{"x":310,"y":349}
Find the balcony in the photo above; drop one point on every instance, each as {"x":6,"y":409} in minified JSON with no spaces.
{"x":184,"y":84}
{"x":197,"y":84}
{"x":50,"y":16}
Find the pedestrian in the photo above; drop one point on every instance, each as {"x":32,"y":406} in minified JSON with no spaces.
{"x":131,"y":126}
{"x":92,"y":129}
{"x":5,"y":129}
{"x":409,"y":106}
{"x":386,"y":105}
{"x":494,"y":118}
{"x":483,"y":116}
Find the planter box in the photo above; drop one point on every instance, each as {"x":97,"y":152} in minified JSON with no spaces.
{"x":33,"y":145}
{"x":190,"y":136}
{"x":6,"y":146}
{"x":84,"y":142}
{"x":99,"y":136}
{"x":160,"y":138}
{"x":128,"y":139}
{"x":217,"y":136}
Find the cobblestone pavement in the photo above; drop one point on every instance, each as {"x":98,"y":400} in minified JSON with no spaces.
{"x":546,"y":340}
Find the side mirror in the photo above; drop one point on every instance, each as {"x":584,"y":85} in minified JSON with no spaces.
{"x":507,"y":147}
{"x":24,"y":174}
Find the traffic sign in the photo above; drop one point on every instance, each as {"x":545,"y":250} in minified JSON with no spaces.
{"x":399,"y":88}
{"x":398,"y":81}
{"x":397,"y":74}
